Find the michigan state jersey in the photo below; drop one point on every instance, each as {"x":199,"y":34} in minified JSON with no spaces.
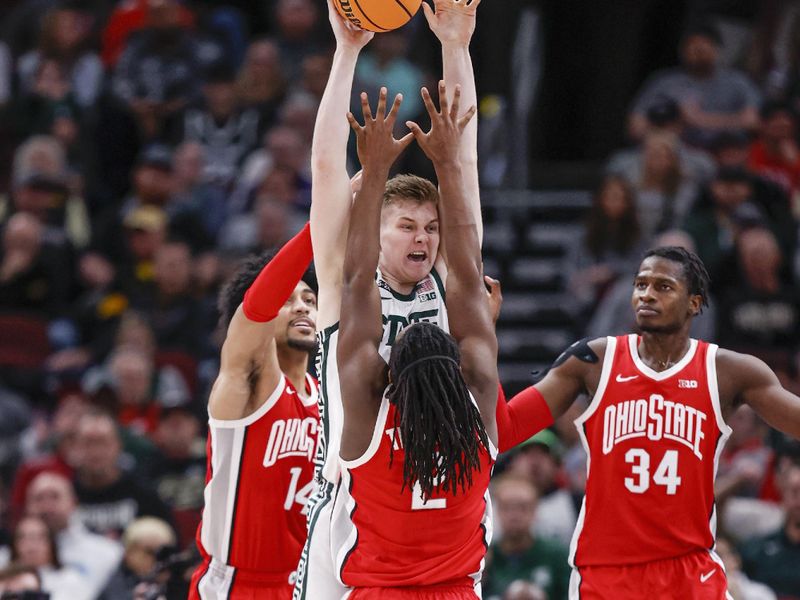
{"x":425,"y":303}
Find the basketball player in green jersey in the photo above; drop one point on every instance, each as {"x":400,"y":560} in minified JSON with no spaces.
{"x":411,"y":272}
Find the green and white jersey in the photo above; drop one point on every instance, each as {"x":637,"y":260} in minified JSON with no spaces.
{"x":426,"y":303}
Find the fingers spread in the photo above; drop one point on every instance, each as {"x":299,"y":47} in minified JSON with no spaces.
{"x":462,"y":122}
{"x":365,"y":106}
{"x":353,"y":123}
{"x":428,"y":101}
{"x":444,"y":104}
{"x":398,"y":100}
{"x":381,"y":112}
{"x":456,"y":103}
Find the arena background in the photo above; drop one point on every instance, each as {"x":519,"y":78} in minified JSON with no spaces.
{"x":146,"y":146}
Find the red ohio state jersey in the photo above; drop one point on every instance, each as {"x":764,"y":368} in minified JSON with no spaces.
{"x":653,"y":441}
{"x":259,"y":478}
{"x":384,"y":537}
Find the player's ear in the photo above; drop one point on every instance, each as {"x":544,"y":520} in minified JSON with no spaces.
{"x":695,"y":304}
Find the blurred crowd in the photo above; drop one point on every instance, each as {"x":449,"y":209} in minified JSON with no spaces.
{"x":146,"y":146}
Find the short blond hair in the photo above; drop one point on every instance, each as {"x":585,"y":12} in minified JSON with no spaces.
{"x":147,"y":528}
{"x":410,"y":188}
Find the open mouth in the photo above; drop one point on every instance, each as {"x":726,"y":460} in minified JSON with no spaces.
{"x":418,"y":256}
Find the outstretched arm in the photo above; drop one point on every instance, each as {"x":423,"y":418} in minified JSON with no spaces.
{"x":747,"y":379}
{"x":471,"y":321}
{"x":331,"y":194}
{"x":453,"y":23}
{"x":362,"y":370}
{"x":249,"y":368}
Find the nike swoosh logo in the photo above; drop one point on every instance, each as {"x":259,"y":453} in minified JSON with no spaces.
{"x":704,"y":577}
{"x":289,"y":391}
{"x":622,"y":379}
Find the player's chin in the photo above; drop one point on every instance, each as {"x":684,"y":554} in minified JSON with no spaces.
{"x":306,"y":342}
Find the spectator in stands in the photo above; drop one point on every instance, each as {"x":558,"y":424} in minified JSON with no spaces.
{"x":773,"y":560}
{"x":538,"y":460}
{"x":714,"y":225}
{"x":51,"y":497}
{"x":159,"y":73}
{"x":746,"y":457}
{"x":44,"y":158}
{"x":519,"y":554}
{"x":227,"y":131}
{"x":192,"y":195}
{"x":142,"y":540}
{"x":35,"y":546}
{"x":664,"y":116}
{"x":739,"y":585}
{"x":733,"y":151}
{"x":132,"y":373}
{"x":109,"y":499}
{"x":609,"y":246}
{"x":297,"y":22}
{"x":31,"y":275}
{"x":171,"y":308}
{"x":775,"y":154}
{"x":316,"y":69}
{"x":64,"y":39}
{"x":56,"y":451}
{"x":759,"y":308}
{"x":664,"y":193}
{"x":711,"y":98}
{"x":384,"y":63}
{"x":262,"y":84}
{"x":179,"y":467}
{"x":127,"y":18}
{"x":18,"y":579}
{"x":50,"y":107}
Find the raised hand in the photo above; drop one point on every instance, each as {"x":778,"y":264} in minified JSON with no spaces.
{"x":377,"y":147}
{"x":347,"y":34}
{"x":453,"y":21}
{"x":440,"y":144}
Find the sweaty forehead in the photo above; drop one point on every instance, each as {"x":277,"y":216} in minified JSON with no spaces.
{"x":661,"y":268}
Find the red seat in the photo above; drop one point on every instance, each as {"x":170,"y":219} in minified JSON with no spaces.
{"x":23,"y":341}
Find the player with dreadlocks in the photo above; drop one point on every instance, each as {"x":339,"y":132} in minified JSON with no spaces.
{"x":411,"y":511}
{"x":653,"y":432}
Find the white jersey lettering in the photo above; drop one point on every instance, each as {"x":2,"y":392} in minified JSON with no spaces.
{"x":656,"y":419}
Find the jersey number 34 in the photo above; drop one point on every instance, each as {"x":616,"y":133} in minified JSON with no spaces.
{"x":666,"y":473}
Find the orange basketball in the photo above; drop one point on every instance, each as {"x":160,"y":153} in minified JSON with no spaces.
{"x":377,"y":15}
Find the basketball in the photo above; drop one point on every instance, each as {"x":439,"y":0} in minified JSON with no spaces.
{"x":378,"y":15}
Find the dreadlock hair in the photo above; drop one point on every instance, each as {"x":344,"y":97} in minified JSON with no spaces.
{"x":439,"y":424}
{"x":232,"y":293}
{"x":693,"y":269}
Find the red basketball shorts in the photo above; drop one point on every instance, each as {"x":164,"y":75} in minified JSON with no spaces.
{"x":695,"y":576}
{"x":428,"y":592}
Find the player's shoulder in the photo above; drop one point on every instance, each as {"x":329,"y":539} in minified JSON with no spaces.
{"x":739,"y":366}
{"x":584,"y":354}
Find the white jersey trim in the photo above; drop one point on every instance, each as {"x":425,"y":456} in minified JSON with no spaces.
{"x":272,"y":399}
{"x":375,"y":442}
{"x":713,"y":388}
{"x":605,"y":376}
{"x":313,"y":397}
{"x":660,"y":375}
{"x":724,"y":428}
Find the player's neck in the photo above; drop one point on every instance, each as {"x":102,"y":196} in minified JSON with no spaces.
{"x":401,"y":287}
{"x":660,"y":351}
{"x":294,"y":365}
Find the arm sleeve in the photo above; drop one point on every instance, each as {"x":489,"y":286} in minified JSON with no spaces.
{"x":278,"y":278}
{"x":521,"y":417}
